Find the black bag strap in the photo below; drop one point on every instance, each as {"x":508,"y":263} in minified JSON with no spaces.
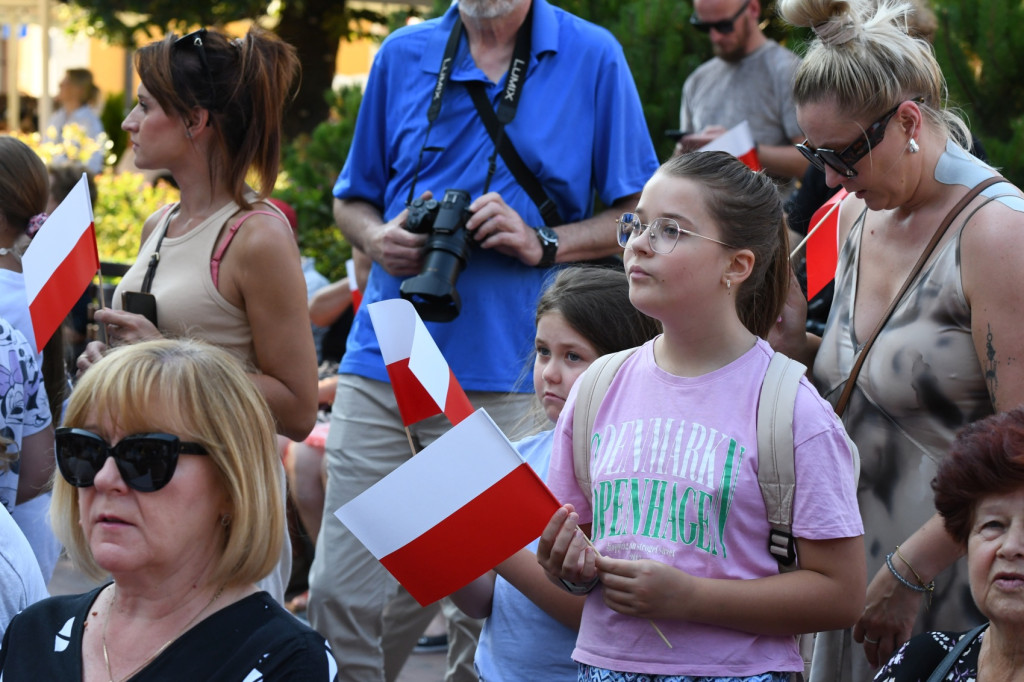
{"x":944,"y":666}
{"x":527,"y":180}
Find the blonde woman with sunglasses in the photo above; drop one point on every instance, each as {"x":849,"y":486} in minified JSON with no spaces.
{"x":871,"y":101}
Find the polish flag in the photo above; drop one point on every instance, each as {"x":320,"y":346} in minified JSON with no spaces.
{"x":456,"y":510}
{"x":739,"y":142}
{"x":423,"y":383}
{"x":60,"y":262}
{"x":353,"y":285}
{"x":823,"y":244}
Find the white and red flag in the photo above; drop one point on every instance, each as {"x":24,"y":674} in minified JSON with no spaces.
{"x":353,"y":284}
{"x":456,"y":510}
{"x":423,"y":383}
{"x":60,"y":262}
{"x":739,"y":142}
{"x":823,"y":244}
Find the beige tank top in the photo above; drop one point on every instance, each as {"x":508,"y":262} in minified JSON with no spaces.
{"x":187,"y":301}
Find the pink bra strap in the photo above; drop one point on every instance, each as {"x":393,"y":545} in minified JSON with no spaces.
{"x":219,"y":253}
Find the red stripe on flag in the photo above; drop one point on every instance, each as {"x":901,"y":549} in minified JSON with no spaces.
{"x":477,"y":537}
{"x":823,"y":246}
{"x":457,"y":406}
{"x":414,"y":402}
{"x":751,"y":159}
{"x":357,"y":298}
{"x":64,"y":287}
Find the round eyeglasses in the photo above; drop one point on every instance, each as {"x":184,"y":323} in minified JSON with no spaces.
{"x":843,"y":161}
{"x":662,"y":233}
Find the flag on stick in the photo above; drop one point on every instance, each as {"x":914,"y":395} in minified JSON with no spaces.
{"x":353,"y":284}
{"x":423,"y":383}
{"x":739,"y":142}
{"x":823,"y":244}
{"x":456,"y":510}
{"x":60,"y":262}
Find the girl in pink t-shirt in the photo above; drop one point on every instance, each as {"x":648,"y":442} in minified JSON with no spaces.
{"x":677,"y":521}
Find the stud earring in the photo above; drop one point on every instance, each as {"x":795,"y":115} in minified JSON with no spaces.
{"x":913,"y":146}
{"x":728,"y":283}
{"x":225,"y":520}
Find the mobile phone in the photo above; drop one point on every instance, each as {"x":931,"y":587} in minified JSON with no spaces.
{"x":140,"y":303}
{"x":676,"y":134}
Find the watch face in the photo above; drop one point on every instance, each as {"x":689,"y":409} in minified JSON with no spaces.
{"x":546,"y":234}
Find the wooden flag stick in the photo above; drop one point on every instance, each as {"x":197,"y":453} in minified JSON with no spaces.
{"x":99,"y":288}
{"x":653,"y":624}
{"x":408,"y":434}
{"x":814,"y":229}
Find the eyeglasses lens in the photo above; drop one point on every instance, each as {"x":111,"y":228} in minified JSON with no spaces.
{"x":146,"y":462}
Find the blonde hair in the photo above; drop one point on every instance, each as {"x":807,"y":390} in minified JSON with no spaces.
{"x":206,"y":397}
{"x":865,"y":61}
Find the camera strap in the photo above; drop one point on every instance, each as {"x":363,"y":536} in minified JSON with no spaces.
{"x":495,"y":122}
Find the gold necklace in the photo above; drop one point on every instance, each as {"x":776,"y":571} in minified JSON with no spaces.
{"x":106,"y":658}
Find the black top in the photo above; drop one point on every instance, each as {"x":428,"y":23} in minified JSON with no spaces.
{"x":252,"y":639}
{"x":916,"y":659}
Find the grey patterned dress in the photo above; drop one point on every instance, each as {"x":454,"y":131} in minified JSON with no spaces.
{"x":921,"y":382}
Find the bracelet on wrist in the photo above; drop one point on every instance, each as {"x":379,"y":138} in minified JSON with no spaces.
{"x":578,"y":588}
{"x":928,"y":589}
{"x":902,"y":558}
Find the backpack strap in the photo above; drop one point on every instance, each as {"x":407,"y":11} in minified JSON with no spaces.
{"x":593,"y":385}
{"x":776,"y":468}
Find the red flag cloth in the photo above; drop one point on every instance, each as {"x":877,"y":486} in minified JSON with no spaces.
{"x":452,"y":512}
{"x":353,"y":284}
{"x":60,"y":262}
{"x":823,"y":245}
{"x":423,"y":383}
{"x":739,"y":142}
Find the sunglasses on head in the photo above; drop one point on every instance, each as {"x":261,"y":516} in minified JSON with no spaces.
{"x":723,"y":26}
{"x":146,"y":461}
{"x":844,"y":161}
{"x":195,"y":40}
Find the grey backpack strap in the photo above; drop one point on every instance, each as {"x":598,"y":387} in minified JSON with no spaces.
{"x":593,"y":385}
{"x":776,"y":469}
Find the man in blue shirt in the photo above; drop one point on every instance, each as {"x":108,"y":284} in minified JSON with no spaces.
{"x":579,"y":128}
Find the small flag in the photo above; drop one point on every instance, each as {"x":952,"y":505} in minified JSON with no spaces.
{"x":739,"y":142}
{"x":353,"y":284}
{"x":423,"y":383}
{"x":60,"y":262}
{"x":456,"y":510}
{"x":823,"y":245}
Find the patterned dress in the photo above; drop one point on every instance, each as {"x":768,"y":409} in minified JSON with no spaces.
{"x":921,"y":382}
{"x":918,"y":658}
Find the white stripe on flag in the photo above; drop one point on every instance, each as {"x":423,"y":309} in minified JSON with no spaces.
{"x":401,"y":334}
{"x":430,"y":487}
{"x":59,"y":234}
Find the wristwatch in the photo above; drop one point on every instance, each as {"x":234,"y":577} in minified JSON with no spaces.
{"x":548,"y":239}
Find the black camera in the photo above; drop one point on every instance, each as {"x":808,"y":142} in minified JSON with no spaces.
{"x":432,"y":292}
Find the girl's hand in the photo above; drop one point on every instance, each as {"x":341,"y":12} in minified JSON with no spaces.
{"x":888,"y":617}
{"x":563,"y":549}
{"x":90,"y":356}
{"x":124,"y":328}
{"x":643,"y":588}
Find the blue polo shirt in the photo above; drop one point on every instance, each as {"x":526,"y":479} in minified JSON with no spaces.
{"x":579,"y":127}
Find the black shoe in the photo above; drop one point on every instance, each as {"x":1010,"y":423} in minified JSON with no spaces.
{"x":431,"y":644}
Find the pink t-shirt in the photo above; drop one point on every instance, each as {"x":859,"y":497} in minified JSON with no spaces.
{"x":674,"y":472}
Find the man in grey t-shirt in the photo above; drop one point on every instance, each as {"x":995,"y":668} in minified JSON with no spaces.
{"x":749,"y":78}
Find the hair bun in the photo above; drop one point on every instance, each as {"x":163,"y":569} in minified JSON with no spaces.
{"x":837,"y":30}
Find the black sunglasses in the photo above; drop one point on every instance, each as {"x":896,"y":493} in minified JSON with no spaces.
{"x":146,"y":461}
{"x":843,"y":162}
{"x":723,"y":26}
{"x":195,"y":40}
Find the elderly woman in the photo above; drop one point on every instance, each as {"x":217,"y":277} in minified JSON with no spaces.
{"x":169,"y":482}
{"x":871,"y":100}
{"x":979,"y":491}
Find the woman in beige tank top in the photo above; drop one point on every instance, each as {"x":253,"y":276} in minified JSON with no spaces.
{"x":228,"y":272}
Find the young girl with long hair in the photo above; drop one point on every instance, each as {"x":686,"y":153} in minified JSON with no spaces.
{"x":680,"y":528}
{"x":531,"y":624}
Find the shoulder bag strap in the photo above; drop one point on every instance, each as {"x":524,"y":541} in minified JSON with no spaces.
{"x":527,"y":180}
{"x":594,"y":383}
{"x":944,"y":666}
{"x":950,"y":217}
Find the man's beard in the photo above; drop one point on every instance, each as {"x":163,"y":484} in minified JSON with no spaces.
{"x":488,"y":9}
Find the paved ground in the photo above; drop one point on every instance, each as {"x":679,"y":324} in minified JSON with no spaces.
{"x":419,"y":668}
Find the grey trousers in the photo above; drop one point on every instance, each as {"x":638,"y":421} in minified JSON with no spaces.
{"x":371,"y":622}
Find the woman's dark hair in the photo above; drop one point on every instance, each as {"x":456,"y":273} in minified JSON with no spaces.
{"x":748,"y":211}
{"x":986,"y":458}
{"x":595,"y":302}
{"x":243,"y":83}
{"x":24,"y":184}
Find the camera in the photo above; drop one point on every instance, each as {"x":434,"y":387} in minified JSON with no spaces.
{"x":432,"y":292}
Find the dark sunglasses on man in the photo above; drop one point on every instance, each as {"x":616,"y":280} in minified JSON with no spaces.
{"x":842,"y":162}
{"x":724,"y":26}
{"x":146,"y":461}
